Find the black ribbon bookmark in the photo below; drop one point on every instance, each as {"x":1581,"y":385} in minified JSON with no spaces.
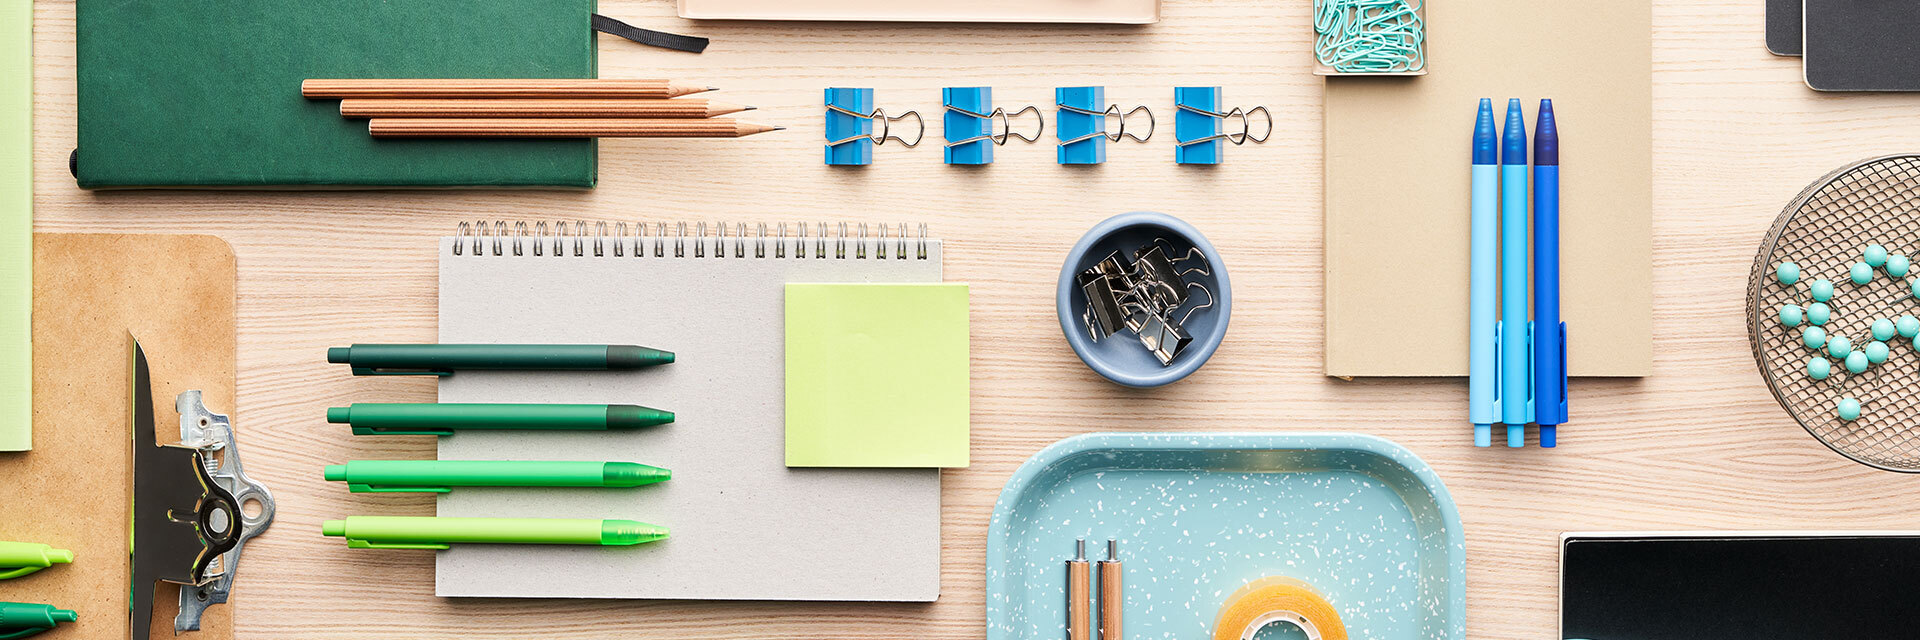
{"x":649,"y":37}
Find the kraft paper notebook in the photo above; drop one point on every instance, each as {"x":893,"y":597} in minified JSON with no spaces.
{"x":1398,"y":156}
{"x":176,"y":294}
{"x":207,"y":94}
{"x":744,"y":525}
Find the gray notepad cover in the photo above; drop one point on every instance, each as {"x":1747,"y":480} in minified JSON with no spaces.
{"x":1783,"y":27}
{"x":1862,"y":45}
{"x":744,"y":526}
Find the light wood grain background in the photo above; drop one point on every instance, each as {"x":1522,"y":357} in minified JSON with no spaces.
{"x":1699,"y":445}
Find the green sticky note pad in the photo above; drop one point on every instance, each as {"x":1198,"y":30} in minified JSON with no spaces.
{"x":877,"y":375}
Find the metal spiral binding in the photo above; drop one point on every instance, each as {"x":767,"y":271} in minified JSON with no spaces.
{"x":619,"y":239}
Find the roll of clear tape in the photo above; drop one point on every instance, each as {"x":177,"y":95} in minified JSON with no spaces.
{"x":1278,"y":600}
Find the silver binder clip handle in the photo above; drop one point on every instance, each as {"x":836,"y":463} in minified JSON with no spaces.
{"x":885,"y":121}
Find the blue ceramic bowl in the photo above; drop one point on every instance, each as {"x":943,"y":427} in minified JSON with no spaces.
{"x":1121,"y":358}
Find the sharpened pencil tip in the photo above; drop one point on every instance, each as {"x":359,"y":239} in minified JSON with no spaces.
{"x":749,"y":108}
{"x":713,"y":88}
{"x":779,"y":128}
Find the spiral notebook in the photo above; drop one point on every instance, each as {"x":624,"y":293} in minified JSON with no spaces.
{"x":744,"y":525}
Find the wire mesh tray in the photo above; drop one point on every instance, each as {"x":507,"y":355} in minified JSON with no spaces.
{"x":1824,"y":231}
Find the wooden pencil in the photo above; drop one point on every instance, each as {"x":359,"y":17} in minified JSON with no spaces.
{"x":494,"y":88}
{"x":562,"y":128}
{"x":535,"y":108}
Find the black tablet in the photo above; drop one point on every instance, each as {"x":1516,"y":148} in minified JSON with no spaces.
{"x":1718,"y":586}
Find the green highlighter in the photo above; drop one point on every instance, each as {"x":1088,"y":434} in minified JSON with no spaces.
{"x":444,"y":359}
{"x":21,"y":558}
{"x":440,"y":476}
{"x":435,"y":419}
{"x":19,"y":619}
{"x":394,"y":532}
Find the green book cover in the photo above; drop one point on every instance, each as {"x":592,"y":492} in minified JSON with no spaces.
{"x":207,"y":93}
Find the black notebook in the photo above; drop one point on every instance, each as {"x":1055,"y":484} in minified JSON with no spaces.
{"x":1738,"y":587}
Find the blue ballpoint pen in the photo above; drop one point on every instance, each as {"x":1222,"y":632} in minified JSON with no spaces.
{"x":1514,"y":359}
{"x":1482,"y":355}
{"x":1549,"y":335}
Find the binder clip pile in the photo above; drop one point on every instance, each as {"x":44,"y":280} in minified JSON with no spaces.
{"x":1143,"y":295}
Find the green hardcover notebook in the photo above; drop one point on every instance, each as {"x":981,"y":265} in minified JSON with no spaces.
{"x":877,"y":375}
{"x":207,"y":93}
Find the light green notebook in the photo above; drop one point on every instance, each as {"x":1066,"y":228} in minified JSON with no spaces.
{"x":16,"y":226}
{"x":877,"y":375}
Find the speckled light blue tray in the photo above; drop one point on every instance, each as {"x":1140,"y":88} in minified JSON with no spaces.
{"x":1364,"y":521}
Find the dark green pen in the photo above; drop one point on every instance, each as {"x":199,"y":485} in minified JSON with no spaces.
{"x":433,"y":419}
{"x":444,"y":359}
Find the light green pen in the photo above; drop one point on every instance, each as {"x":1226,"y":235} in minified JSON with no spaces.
{"x":21,"y":558}
{"x":440,"y":476}
{"x":394,"y":532}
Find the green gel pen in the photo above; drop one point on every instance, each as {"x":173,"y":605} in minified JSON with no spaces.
{"x":440,"y":476}
{"x":444,"y":359}
{"x":442,"y":419}
{"x":19,"y":619}
{"x":391,"y":532}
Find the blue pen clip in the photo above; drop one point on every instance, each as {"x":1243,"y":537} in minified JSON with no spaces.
{"x":376,"y":488}
{"x":1198,"y":121}
{"x":1081,"y":124}
{"x":969,"y":125}
{"x":850,"y":120}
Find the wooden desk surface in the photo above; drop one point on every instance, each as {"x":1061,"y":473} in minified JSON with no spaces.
{"x":1699,"y":445}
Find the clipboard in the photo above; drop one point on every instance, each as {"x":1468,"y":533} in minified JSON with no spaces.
{"x":175,"y":293}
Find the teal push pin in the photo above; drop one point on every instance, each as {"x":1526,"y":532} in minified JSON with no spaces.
{"x":1818,"y":313}
{"x":1907,"y":325}
{"x":1791,"y":315}
{"x":1819,"y":368}
{"x":1877,"y":352}
{"x":1849,"y":409}
{"x":1814,"y":337}
{"x":1856,"y":362}
{"x":1897,"y":265}
{"x":1915,"y":286}
{"x":1839,"y":346}
{"x":1882,"y":329}
{"x":1787,"y":273}
{"x":1822,"y":290}
{"x":1875,"y":255}
{"x":1861,"y":273}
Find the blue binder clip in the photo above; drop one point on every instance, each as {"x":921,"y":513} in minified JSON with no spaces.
{"x":850,"y":120}
{"x":1198,"y":121}
{"x":971,"y":134}
{"x":1082,"y":124}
